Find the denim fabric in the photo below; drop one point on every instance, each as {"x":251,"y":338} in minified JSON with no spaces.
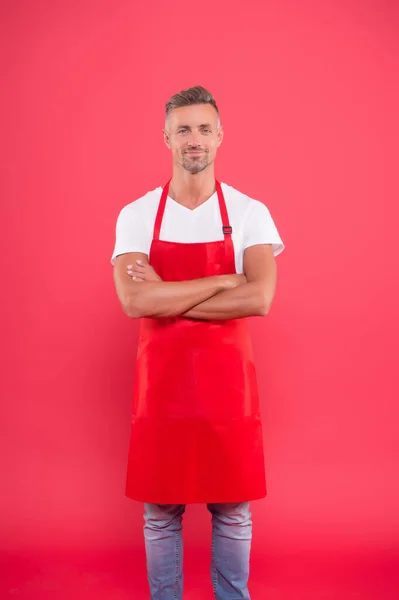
{"x":231,"y":545}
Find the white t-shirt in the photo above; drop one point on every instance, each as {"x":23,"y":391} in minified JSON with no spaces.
{"x":251,"y":221}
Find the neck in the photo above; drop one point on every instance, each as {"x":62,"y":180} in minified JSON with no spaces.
{"x":191,"y":190}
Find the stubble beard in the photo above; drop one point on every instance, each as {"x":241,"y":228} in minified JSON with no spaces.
{"x":194,"y":166}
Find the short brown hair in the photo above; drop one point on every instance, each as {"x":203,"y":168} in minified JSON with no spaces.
{"x":193,"y":95}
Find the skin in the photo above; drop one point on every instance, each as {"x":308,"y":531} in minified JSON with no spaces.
{"x":193,"y":135}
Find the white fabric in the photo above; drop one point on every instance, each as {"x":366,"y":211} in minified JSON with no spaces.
{"x":251,"y":221}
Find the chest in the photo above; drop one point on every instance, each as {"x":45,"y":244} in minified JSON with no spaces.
{"x":203,"y":224}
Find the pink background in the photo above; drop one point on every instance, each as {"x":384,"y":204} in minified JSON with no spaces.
{"x":308,"y":96}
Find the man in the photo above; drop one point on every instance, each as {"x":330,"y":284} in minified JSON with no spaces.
{"x":191,"y":260}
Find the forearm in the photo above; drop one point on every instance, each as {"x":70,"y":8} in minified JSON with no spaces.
{"x":243,"y":301}
{"x":172,"y":298}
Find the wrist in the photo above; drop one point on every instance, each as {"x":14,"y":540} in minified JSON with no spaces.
{"x":223,"y":283}
{"x":229,"y":282}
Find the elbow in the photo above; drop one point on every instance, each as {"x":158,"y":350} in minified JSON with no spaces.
{"x":139,"y":305}
{"x":263,"y":304}
{"x":132,"y":308}
{"x":133,"y":313}
{"x":262,"y":310}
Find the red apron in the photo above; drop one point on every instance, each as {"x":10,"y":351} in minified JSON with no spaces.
{"x":196,"y":433}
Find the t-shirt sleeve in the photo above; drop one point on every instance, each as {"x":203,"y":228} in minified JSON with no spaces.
{"x":260,"y":228}
{"x":131,"y":233}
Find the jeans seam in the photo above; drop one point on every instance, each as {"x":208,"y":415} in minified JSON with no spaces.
{"x":177,"y":566}
{"x":214,"y":572}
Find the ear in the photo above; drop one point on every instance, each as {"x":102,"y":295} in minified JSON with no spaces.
{"x":220,"y":135}
{"x":166,"y":137}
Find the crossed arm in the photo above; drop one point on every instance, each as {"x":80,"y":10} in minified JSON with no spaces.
{"x":217,"y":297}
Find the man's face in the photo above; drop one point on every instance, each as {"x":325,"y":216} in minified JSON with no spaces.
{"x":193,"y":136}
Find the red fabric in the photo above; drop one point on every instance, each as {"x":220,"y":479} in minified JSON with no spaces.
{"x":196,"y":432}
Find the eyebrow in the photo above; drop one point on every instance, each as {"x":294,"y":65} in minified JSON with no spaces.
{"x":189,"y":127}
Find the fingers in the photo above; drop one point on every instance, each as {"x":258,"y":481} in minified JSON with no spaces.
{"x":136,"y":270}
{"x":139,"y":271}
{"x":138,"y":267}
{"x":136,"y":275}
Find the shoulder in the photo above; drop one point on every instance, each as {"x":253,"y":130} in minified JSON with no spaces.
{"x":143,"y":207}
{"x":241,"y":202}
{"x":257,"y":223}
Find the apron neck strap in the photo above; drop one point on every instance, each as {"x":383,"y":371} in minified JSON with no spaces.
{"x":226,"y":227}
{"x":160,"y":211}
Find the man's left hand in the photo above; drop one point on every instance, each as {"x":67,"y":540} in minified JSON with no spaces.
{"x":142,"y":272}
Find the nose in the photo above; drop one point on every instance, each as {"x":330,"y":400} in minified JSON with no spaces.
{"x":194,"y":140}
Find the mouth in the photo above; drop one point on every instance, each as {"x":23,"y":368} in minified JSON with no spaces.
{"x":194,"y":152}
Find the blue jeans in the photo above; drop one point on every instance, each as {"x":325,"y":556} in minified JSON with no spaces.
{"x":231,"y":544}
